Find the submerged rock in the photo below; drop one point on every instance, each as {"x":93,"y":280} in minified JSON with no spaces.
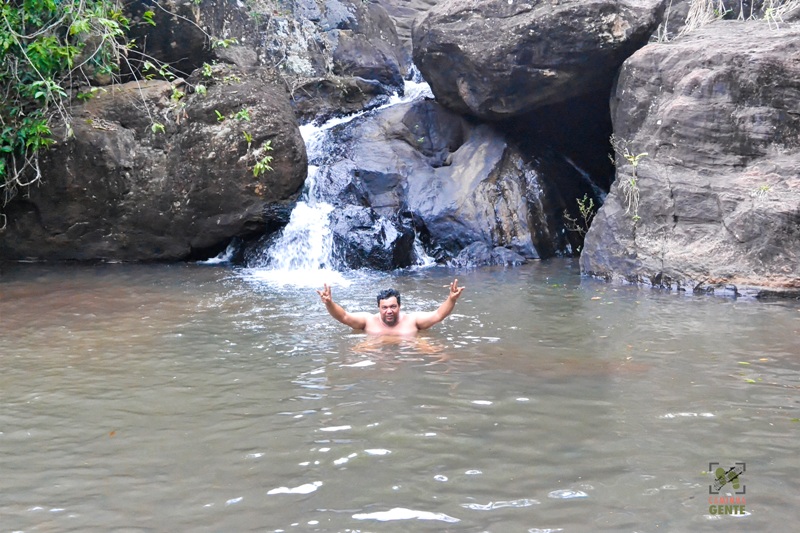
{"x":713,"y":203}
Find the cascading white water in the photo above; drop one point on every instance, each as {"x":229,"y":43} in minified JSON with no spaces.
{"x":303,"y":254}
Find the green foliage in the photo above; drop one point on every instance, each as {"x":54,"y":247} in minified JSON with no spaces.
{"x":148,"y":17}
{"x":54,"y":50}
{"x":630,"y":185}
{"x":263,"y":161}
{"x":220,"y":116}
{"x":242,"y":114}
{"x":222,"y":43}
{"x":45,"y":46}
{"x":248,"y":138}
{"x":161,"y":71}
{"x":587,"y":210}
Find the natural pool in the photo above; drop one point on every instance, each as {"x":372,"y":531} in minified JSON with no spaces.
{"x":199,"y":398}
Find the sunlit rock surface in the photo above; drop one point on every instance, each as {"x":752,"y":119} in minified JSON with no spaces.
{"x":716,"y":113}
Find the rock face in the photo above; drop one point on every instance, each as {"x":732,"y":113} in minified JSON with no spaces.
{"x":454,"y":182}
{"x":404,"y":12}
{"x":497,"y":59}
{"x":119,"y":190}
{"x":336,"y":56}
{"x":716,"y":206}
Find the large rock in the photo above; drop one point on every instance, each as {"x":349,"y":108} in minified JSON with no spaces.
{"x":363,"y":239}
{"x":716,"y":113}
{"x":331,"y":54}
{"x":334,"y":54}
{"x":498,"y":59}
{"x":120,"y":190}
{"x":460,"y":183}
{"x":404,"y":12}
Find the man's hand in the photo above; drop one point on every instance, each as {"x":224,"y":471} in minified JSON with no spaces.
{"x":325,"y":294}
{"x":455,"y":290}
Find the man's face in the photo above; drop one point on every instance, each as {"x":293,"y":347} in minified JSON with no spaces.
{"x":389,"y":310}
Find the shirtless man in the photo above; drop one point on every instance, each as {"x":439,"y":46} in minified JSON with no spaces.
{"x":389,"y":320}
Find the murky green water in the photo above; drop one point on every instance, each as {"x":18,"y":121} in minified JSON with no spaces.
{"x":189,"y":398}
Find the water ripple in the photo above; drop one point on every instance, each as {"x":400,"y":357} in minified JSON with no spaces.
{"x":567,"y":494}
{"x":491,"y":506}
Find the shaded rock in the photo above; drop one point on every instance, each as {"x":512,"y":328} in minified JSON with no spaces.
{"x":718,"y":190}
{"x":121,"y":190}
{"x":187,"y":34}
{"x":497,"y":59}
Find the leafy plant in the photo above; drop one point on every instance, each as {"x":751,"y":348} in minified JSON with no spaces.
{"x":222,"y":43}
{"x":761,"y":191}
{"x":586,"y":210}
{"x":263,"y":162}
{"x":220,"y":116}
{"x":630,"y":185}
{"x":45,"y":45}
{"x":147,"y":16}
{"x":242,"y":114}
{"x":51,"y":50}
{"x":248,"y":138}
{"x":206,"y":70}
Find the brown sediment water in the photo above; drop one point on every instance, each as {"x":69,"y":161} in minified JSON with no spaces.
{"x":197,"y":398}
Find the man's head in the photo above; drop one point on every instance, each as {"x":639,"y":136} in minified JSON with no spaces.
{"x":389,"y":306}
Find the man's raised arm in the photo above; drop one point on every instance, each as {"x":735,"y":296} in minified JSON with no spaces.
{"x":426,"y":320}
{"x":354,"y":320}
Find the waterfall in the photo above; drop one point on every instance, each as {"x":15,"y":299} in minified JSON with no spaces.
{"x":303,"y":253}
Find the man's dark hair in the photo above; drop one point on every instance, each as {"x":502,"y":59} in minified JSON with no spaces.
{"x":388,"y":293}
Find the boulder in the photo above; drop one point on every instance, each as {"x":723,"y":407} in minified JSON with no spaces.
{"x":707,"y":193}
{"x":150,"y":175}
{"x":336,"y":54}
{"x":458,"y":182}
{"x":403,"y":13}
{"x":363,"y":239}
{"x":479,"y":254}
{"x":498,"y":59}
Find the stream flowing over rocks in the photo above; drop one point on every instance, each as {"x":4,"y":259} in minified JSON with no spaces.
{"x":703,"y":194}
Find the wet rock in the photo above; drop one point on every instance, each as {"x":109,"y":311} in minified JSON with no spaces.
{"x":714,"y":118}
{"x":363,"y":239}
{"x":498,"y":59}
{"x":479,"y":254}
{"x":459,"y":182}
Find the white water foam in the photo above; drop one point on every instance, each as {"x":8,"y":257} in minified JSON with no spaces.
{"x":303,"y":254}
{"x":401,"y":513}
